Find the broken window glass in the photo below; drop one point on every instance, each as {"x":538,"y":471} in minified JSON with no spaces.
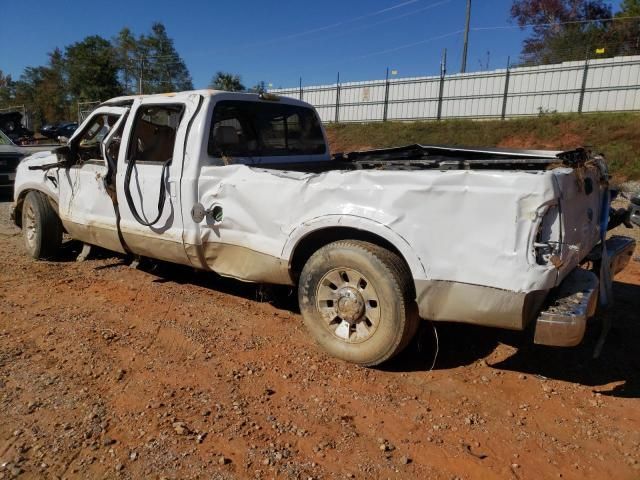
{"x":89,"y":141}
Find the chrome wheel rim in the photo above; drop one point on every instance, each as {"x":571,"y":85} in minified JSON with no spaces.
{"x":29,"y":225}
{"x":348,"y":304}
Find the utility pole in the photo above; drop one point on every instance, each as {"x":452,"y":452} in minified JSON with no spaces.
{"x":140,"y":78}
{"x":466,"y":39}
{"x":443,"y":74}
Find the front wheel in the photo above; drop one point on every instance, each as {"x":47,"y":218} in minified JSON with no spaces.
{"x":41,"y":227}
{"x":357,"y":301}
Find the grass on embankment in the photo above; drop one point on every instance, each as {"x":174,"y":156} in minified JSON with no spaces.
{"x":617,"y":135}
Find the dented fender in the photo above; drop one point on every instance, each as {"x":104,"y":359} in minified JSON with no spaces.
{"x":382,"y":230}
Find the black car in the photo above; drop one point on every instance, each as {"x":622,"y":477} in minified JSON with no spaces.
{"x":49,"y":130}
{"x":56,"y":130}
{"x":10,"y":156}
{"x":66,"y":129}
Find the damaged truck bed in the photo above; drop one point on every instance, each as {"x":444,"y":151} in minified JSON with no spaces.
{"x":244,"y":185}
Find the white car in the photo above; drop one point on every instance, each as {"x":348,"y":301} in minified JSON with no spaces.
{"x":245,"y":185}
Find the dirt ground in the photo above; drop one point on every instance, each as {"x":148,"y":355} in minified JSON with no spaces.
{"x":162,"y":372}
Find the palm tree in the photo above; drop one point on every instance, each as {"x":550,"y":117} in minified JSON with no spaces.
{"x":227,"y":82}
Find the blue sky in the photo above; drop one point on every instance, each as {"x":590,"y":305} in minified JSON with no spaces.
{"x":275,"y":41}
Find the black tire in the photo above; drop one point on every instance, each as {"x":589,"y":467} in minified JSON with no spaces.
{"x":366,"y":330}
{"x":41,"y":227}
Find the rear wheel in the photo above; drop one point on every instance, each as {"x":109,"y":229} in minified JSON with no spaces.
{"x":357,"y":301}
{"x":41,"y":227}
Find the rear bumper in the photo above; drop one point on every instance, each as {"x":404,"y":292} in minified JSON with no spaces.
{"x":563,"y":322}
{"x":620,"y":251}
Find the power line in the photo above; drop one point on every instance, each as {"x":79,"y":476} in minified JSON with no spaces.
{"x":339,"y":24}
{"x":317,"y":29}
{"x":552,"y":24}
{"x":387,"y":20}
{"x":409,"y":45}
{"x":330,"y":26}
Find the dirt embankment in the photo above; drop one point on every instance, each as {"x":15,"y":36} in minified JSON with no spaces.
{"x":614,"y":134}
{"x":162,"y":372}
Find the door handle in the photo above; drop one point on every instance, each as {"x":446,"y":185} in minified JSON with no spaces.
{"x":172,"y":189}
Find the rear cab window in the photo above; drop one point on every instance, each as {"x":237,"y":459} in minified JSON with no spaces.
{"x":254,"y":130}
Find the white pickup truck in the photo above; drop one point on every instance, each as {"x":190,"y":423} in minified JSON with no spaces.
{"x":244,"y":185}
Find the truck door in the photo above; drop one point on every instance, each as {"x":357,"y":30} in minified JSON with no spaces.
{"x":148,"y":178}
{"x":231,"y":227}
{"x":85,"y":208}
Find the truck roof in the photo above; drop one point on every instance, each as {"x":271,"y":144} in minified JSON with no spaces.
{"x":129,"y":99}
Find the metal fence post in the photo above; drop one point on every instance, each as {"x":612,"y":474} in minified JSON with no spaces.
{"x":584,"y":83}
{"x":301,"y":88}
{"x":506,"y":89}
{"x":386,"y":97}
{"x":443,"y":73}
{"x":338,"y":99}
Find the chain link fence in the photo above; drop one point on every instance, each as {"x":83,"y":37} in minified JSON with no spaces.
{"x":85,"y":109}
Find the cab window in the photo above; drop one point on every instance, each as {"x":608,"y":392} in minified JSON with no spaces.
{"x":154,"y":133}
{"x":260,"y":129}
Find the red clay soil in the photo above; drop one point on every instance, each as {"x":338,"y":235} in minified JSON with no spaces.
{"x":565,"y":140}
{"x":162,"y":372}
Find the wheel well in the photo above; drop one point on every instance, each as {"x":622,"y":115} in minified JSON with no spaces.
{"x":20,"y":201}
{"x":17,"y":213}
{"x":318,"y":239}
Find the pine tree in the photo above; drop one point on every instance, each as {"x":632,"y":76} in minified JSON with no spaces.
{"x":163,"y":68}
{"x":127,"y":54}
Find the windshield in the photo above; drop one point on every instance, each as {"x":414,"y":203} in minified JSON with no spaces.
{"x":259,"y":129}
{"x":4,"y":140}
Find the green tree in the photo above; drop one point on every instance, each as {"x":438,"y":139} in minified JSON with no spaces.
{"x":52,"y":94}
{"x":42,"y":90}
{"x":7,"y":90}
{"x":127,"y":55}
{"x":28,"y":92}
{"x":92,"y":70}
{"x":162,"y":67}
{"x":627,"y":30}
{"x":559,"y":28}
{"x":228,"y":82}
{"x":260,"y":87}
